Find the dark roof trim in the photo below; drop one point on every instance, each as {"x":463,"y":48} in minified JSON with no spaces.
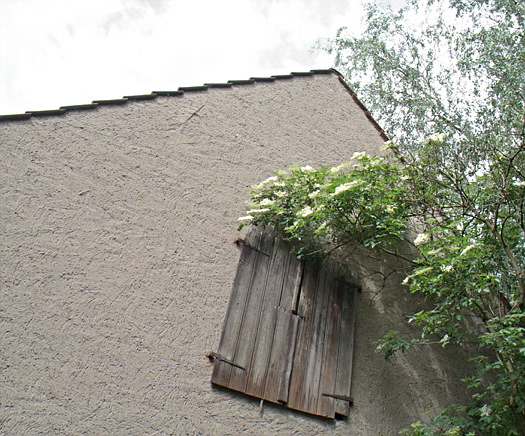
{"x":193,"y":88}
{"x":47,"y":113}
{"x":151,"y":96}
{"x":263,"y":79}
{"x":14,"y":117}
{"x":242,"y":82}
{"x":362,"y":106}
{"x":283,"y":76}
{"x":329,"y":71}
{"x":180,"y":92}
{"x":111,"y":102}
{"x":219,"y":85}
{"x":169,"y":93}
{"x":79,"y":107}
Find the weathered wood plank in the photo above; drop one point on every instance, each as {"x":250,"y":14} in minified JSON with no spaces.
{"x":253,"y":237}
{"x":323,"y":356}
{"x":236,"y":311}
{"x":346,"y":346}
{"x":326,"y":403}
{"x":316,"y":353}
{"x":306,"y":310}
{"x":252,"y":315}
{"x":267,"y":319}
{"x":285,"y":331}
{"x":282,"y":354}
{"x":291,"y":299}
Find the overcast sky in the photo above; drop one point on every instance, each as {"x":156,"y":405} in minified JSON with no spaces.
{"x":63,"y":52}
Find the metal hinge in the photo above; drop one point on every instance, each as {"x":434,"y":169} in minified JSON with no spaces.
{"x":215,"y":356}
{"x":340,"y":397}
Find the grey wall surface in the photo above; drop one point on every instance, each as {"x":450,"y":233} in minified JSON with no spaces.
{"x":118,"y":259}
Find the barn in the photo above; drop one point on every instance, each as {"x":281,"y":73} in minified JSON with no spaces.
{"x":119,"y":257}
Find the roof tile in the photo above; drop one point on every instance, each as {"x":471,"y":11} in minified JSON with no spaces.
{"x":193,"y":88}
{"x":242,"y":82}
{"x":303,"y":73}
{"x":111,"y":102}
{"x":80,"y":107}
{"x":13,"y":117}
{"x":263,"y":79}
{"x":47,"y":113}
{"x":219,"y":85}
{"x":151,"y":96}
{"x":169,"y":93}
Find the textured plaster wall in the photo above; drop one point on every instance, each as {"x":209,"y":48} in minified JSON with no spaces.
{"x":118,"y":259}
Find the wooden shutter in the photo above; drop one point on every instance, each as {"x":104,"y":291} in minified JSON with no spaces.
{"x":289,"y":331}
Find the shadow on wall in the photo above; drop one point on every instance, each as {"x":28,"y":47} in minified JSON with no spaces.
{"x":275,"y":409}
{"x":424,"y":379}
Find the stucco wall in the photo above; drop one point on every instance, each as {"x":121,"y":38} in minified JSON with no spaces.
{"x":118,"y":259}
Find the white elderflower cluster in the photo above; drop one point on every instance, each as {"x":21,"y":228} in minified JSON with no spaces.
{"x":340,"y":167}
{"x":346,"y":186}
{"x":267,"y":202}
{"x":305,"y":212}
{"x":445,"y":340}
{"x":245,"y":219}
{"x":421,"y":238}
{"x":266,"y":182}
{"x":321,"y":227}
{"x":436,"y":137}
{"x":358,"y":155}
{"x":390,"y":209}
{"x":447,"y":268}
{"x":257,"y":211}
{"x":485,"y":410}
{"x":467,"y":249}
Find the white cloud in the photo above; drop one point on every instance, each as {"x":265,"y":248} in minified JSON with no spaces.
{"x":61,"y":52}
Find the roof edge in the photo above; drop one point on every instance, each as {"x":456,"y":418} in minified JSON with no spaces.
{"x":192,"y":89}
{"x":361,"y":105}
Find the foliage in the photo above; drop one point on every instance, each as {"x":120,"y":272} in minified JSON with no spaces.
{"x":447,"y":79}
{"x":441,"y":66}
{"x":465,"y":263}
{"x":453,"y":72}
{"x":319,"y":207}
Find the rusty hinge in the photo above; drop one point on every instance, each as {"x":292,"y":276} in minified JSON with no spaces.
{"x":242,"y":243}
{"x":215,"y":356}
{"x":340,"y":397}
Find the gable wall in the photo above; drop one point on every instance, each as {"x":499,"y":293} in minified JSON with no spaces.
{"x":118,"y":260}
